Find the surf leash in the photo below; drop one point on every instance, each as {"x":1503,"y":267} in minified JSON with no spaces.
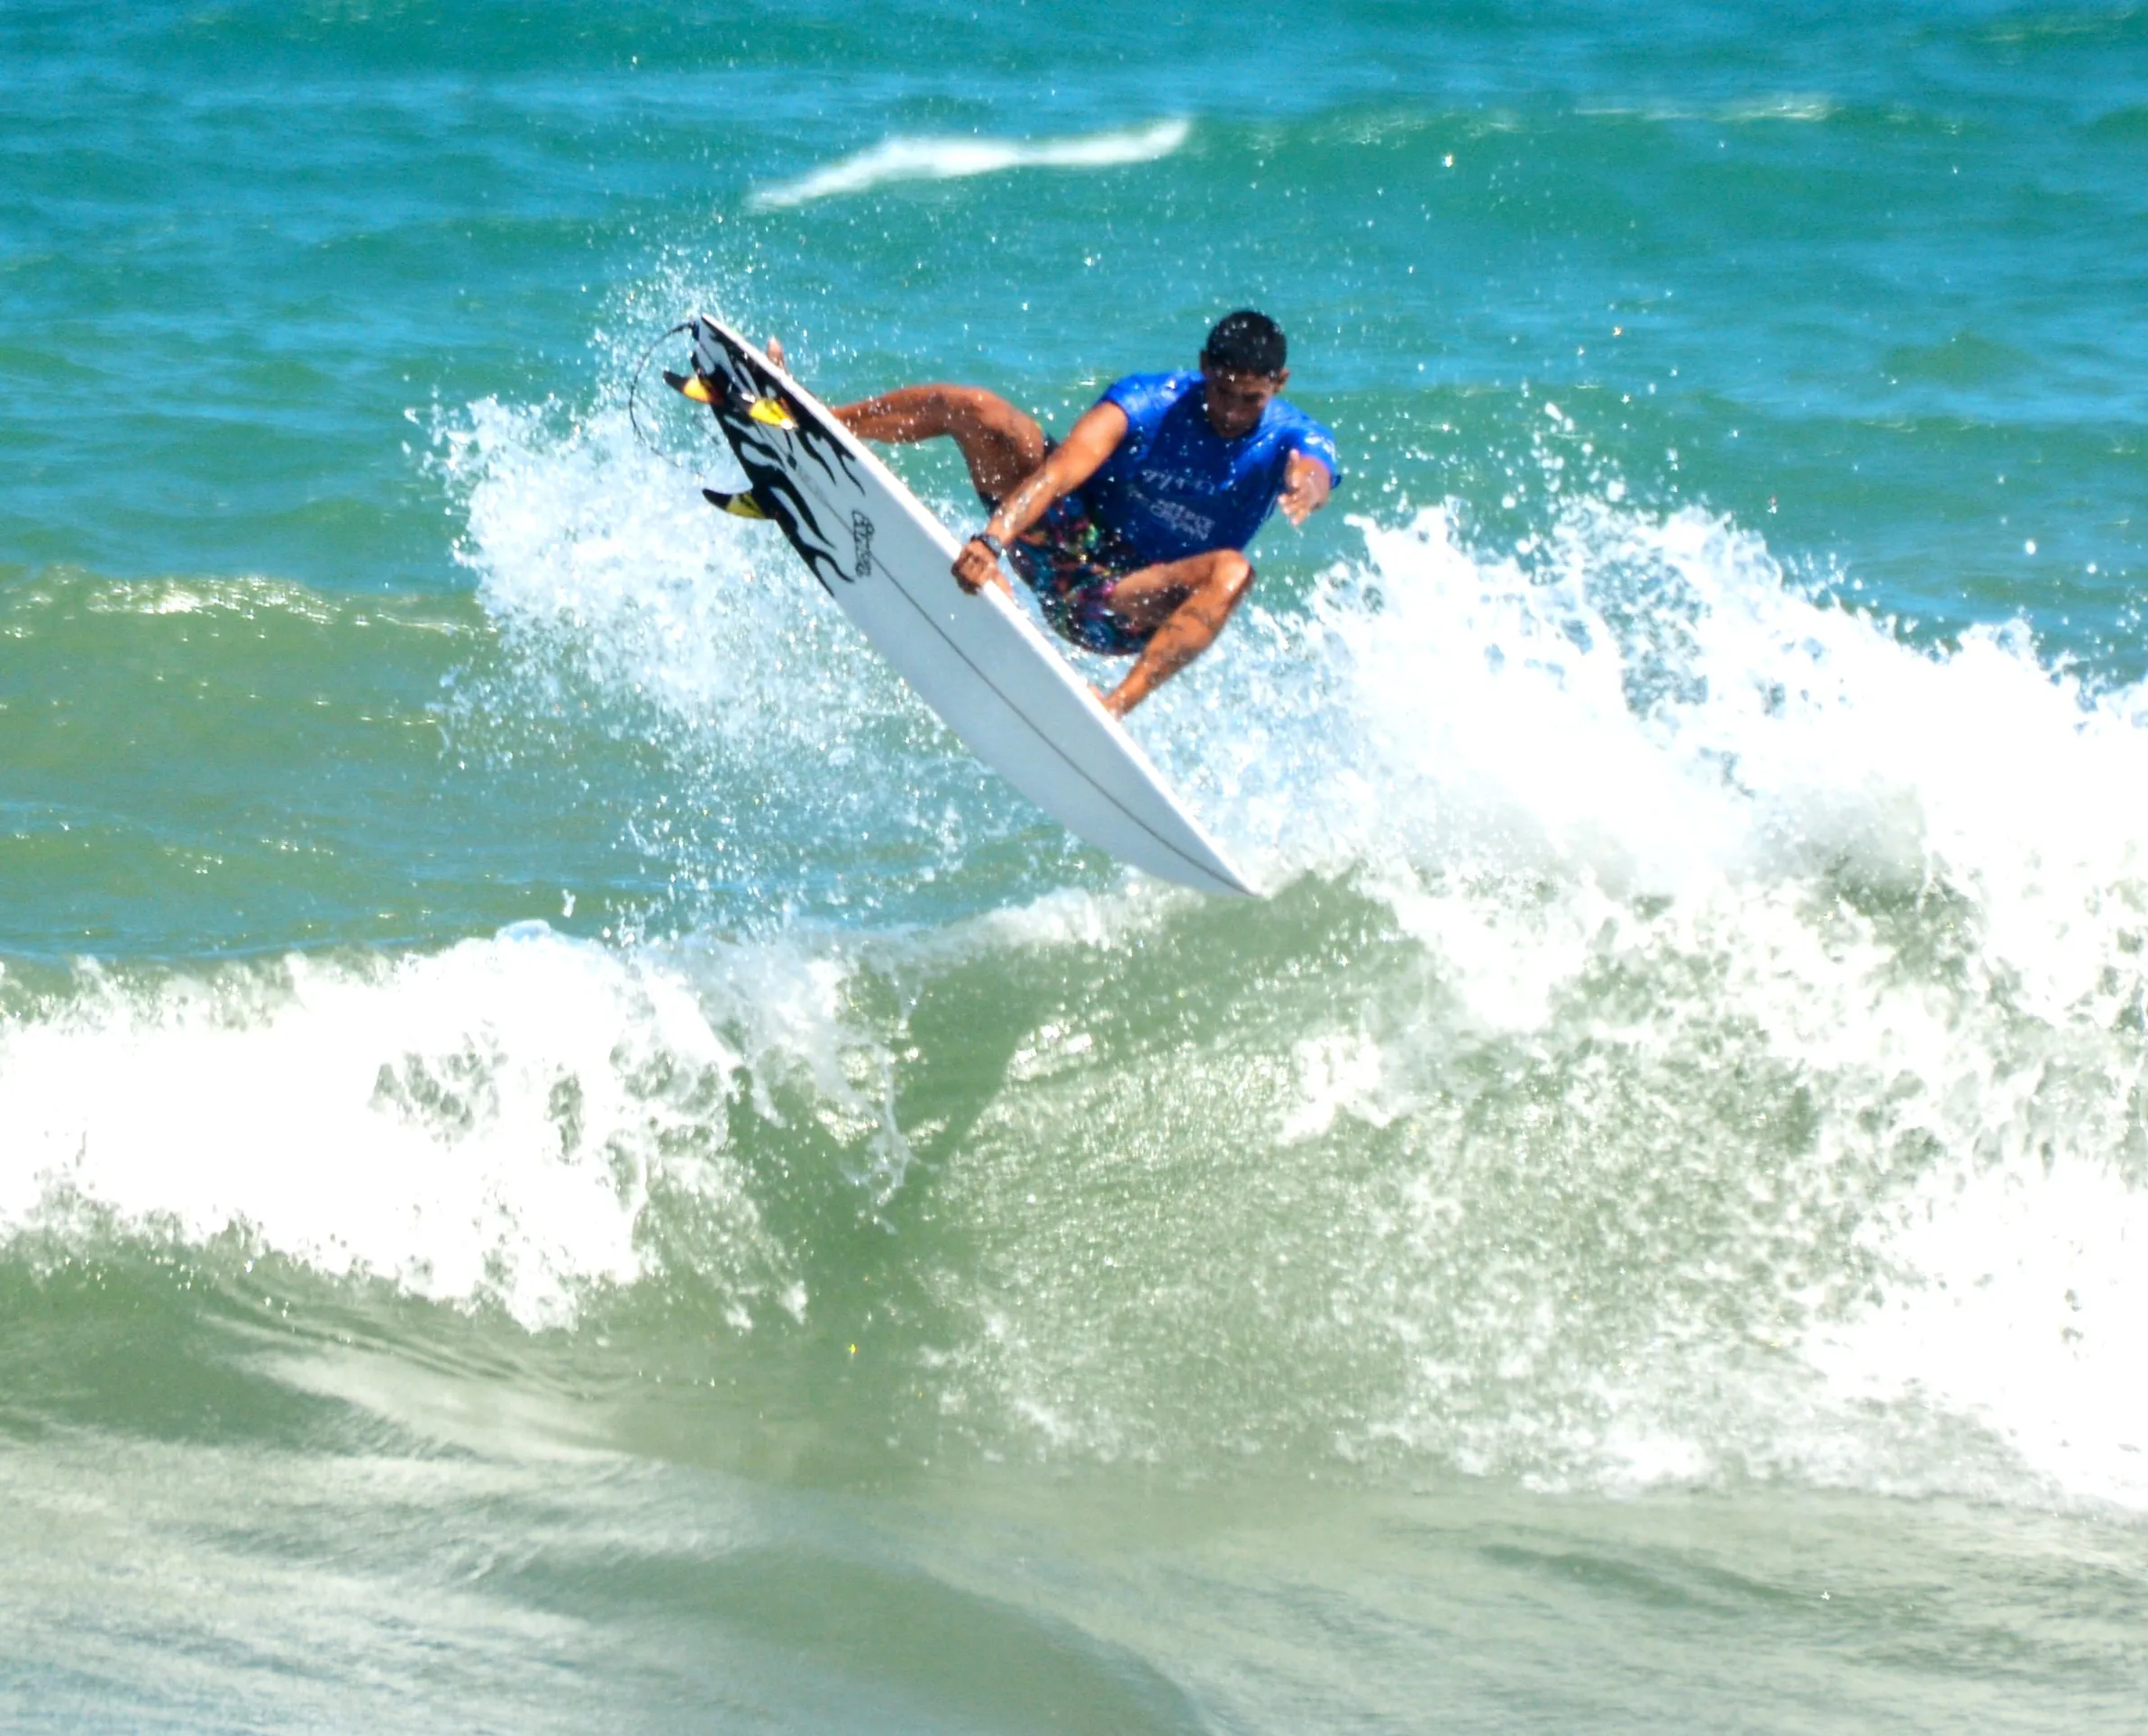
{"x":634,"y":391}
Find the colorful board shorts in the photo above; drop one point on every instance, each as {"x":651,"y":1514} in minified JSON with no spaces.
{"x":1072,"y":561}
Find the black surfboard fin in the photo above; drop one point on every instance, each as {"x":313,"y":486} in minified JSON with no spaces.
{"x":743,"y":506}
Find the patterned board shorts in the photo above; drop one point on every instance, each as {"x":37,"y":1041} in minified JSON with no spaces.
{"x":1072,"y":561}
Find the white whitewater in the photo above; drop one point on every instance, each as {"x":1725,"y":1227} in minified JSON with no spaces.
{"x":947,"y":159}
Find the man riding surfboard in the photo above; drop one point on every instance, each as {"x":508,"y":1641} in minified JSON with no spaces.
{"x":1131,"y":531}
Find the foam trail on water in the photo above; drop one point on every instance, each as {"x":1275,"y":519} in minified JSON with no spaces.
{"x":941,"y":159}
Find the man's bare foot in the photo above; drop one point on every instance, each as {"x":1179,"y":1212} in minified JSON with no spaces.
{"x":775,"y":351}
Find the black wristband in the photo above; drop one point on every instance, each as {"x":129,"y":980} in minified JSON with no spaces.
{"x":992,"y":543}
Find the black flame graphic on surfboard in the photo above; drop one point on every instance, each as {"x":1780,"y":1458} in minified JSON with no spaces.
{"x":772,"y":435}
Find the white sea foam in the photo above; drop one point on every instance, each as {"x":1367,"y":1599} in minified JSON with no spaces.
{"x":1795,"y":105}
{"x":602,"y":549}
{"x":485,"y":1125}
{"x":2018,"y":1298}
{"x":627,"y":606}
{"x":1775,"y":788}
{"x":942,"y":158}
{"x":1800,"y":106}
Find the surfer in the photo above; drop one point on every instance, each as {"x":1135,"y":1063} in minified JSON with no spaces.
{"x":1131,"y":531}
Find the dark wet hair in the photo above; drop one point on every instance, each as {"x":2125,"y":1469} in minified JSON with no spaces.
{"x":1246,"y":342}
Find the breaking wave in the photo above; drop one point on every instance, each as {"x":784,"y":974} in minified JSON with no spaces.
{"x":1695,"y":1035}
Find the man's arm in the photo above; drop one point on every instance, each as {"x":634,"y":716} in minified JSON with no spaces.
{"x":1307,"y":485}
{"x":1078,"y":457}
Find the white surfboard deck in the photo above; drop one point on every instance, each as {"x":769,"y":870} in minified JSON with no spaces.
{"x":976,"y":659}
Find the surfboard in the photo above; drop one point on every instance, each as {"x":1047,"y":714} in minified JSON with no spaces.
{"x":975,"y":658}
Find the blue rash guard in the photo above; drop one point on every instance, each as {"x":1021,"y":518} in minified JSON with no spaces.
{"x":1172,"y":487}
{"x":1176,"y":487}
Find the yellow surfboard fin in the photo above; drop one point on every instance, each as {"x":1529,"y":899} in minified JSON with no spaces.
{"x":737,"y":505}
{"x":771,"y":412}
{"x":691,"y":386}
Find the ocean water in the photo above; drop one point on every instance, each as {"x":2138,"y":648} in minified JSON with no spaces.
{"x":569,"y":1162}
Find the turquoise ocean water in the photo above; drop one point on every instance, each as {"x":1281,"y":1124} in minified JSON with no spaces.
{"x":569,"y":1162}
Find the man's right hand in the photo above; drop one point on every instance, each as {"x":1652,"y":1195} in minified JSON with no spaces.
{"x":976,"y":567}
{"x":1088,"y":443}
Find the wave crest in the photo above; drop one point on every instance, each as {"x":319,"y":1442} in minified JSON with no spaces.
{"x":943,"y":158}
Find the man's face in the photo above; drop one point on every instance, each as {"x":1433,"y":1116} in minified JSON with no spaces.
{"x":1236,"y":401}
